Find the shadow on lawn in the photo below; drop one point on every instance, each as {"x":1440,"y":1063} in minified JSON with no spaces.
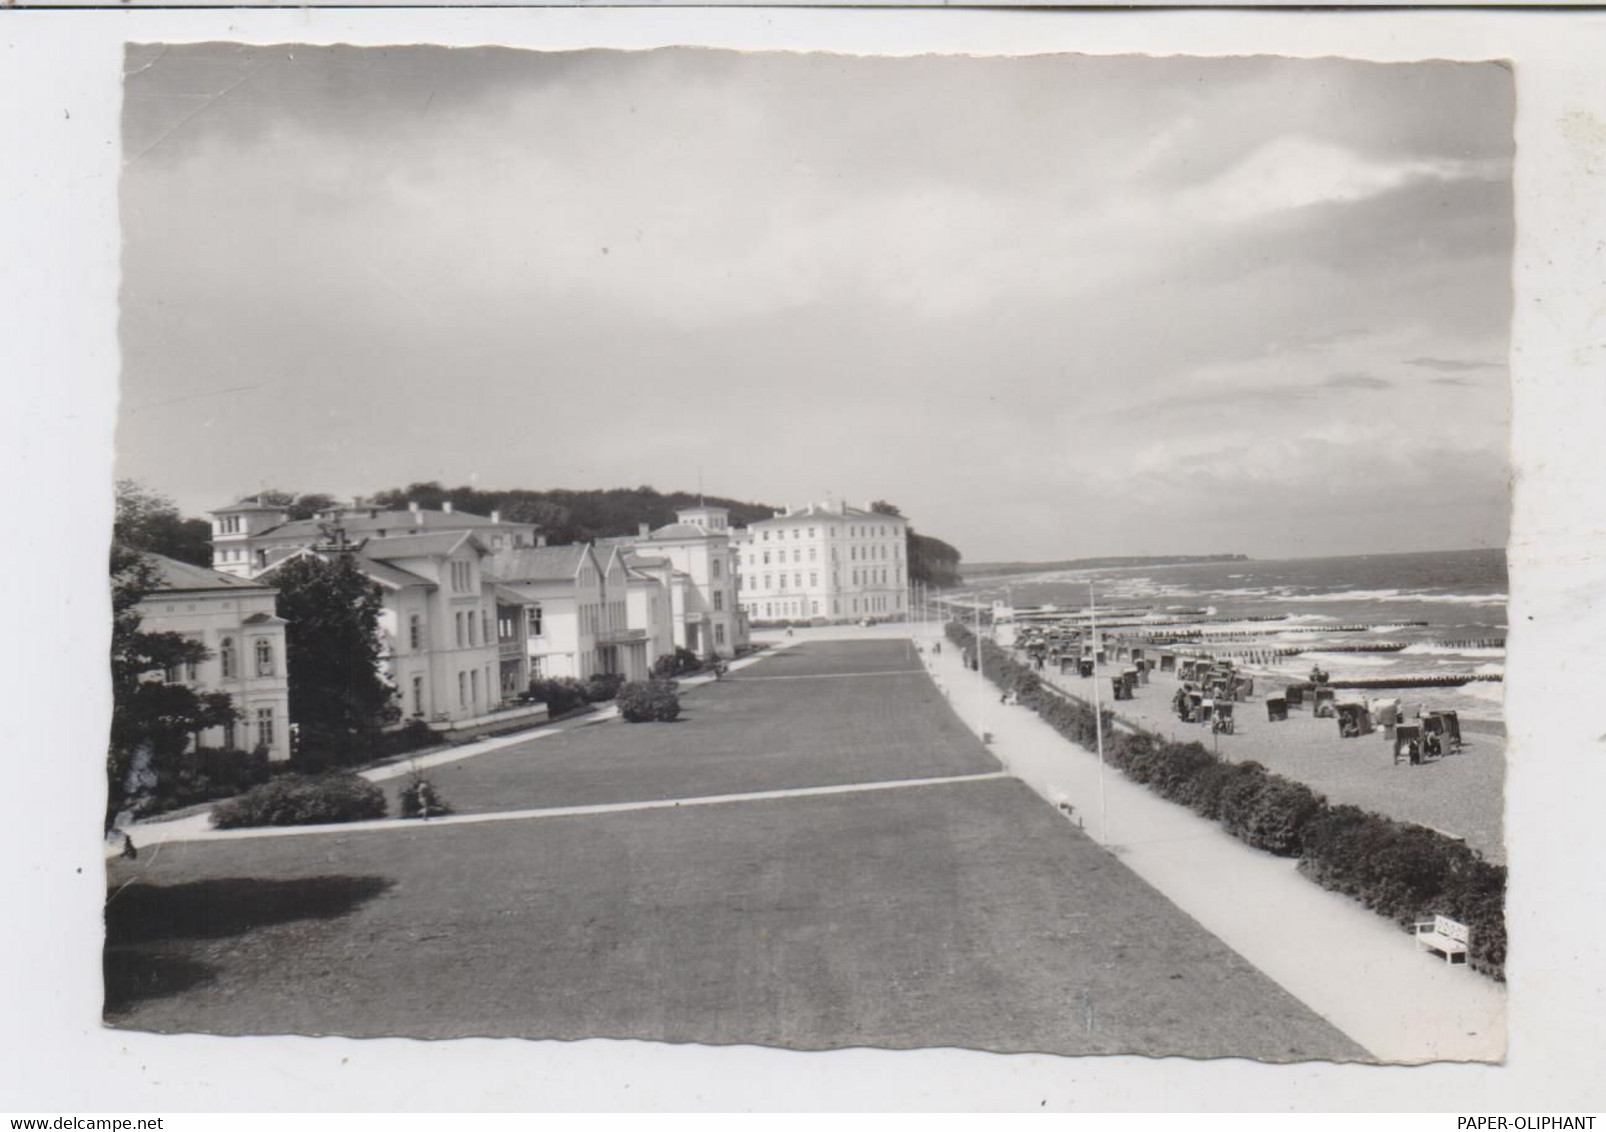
{"x":141,"y":914}
{"x":209,"y":909}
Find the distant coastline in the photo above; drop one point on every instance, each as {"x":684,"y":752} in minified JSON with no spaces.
{"x":999,"y":569}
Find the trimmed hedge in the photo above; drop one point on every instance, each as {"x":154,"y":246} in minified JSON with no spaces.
{"x":650,"y":701}
{"x":560,"y":694}
{"x":1400,"y":870}
{"x":297,"y":799}
{"x":602,"y":687}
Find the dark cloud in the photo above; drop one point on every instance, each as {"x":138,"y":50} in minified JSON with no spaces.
{"x":1450,"y":365}
{"x":1356,"y":381}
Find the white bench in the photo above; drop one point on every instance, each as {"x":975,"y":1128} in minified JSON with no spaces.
{"x":1444,"y":935}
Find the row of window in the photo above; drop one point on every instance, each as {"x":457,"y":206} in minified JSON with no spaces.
{"x":878,"y":531}
{"x":228,"y":662}
{"x":869,"y":577}
{"x":258,"y":730}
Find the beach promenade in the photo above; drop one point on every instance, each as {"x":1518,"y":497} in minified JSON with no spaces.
{"x":1461,"y":794}
{"x":1353,"y":968}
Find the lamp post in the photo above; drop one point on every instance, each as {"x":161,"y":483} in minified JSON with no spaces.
{"x":1098,"y":714}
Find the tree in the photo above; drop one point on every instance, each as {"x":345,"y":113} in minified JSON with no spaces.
{"x":882,"y":507}
{"x":148,"y":521}
{"x":153,"y":720}
{"x":303,"y":506}
{"x":339,"y":698}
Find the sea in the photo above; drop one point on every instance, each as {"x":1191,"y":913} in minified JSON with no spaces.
{"x":1447,"y":609}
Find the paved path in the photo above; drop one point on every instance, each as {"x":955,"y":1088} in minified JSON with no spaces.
{"x":192,"y":833}
{"x":1352,"y":967}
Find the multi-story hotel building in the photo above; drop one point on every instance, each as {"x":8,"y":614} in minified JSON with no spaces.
{"x":823,"y":562}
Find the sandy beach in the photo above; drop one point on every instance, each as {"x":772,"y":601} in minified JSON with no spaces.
{"x":1460,"y":794}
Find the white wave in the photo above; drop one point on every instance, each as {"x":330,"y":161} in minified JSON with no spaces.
{"x":1454,"y":599}
{"x":1345,"y":595}
{"x":1401,"y":596}
{"x":1490,"y":670}
{"x":1441,"y":650}
{"x":1343,"y":660}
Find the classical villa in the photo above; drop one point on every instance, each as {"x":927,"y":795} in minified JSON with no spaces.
{"x":824,"y":562}
{"x":234,"y":618}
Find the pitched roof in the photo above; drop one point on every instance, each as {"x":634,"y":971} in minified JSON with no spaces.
{"x":678,"y":531}
{"x":387,"y":575}
{"x":249,"y":503}
{"x":439,"y":543}
{"x":171,"y":574}
{"x":360,"y":524}
{"x":536,"y":563}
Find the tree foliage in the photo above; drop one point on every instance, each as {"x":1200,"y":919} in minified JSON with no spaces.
{"x":148,"y":521}
{"x":303,"y":506}
{"x":152,"y":720}
{"x":931,"y":560}
{"x":338,"y":696}
{"x":567,"y":516}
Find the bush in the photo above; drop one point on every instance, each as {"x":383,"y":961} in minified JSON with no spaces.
{"x":414,"y":735}
{"x":654,"y":701}
{"x":298,"y":799}
{"x":420,"y":799}
{"x":184,"y":778}
{"x":561,"y":694}
{"x":602,"y":687}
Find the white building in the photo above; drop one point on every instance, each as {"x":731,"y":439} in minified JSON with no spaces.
{"x":236,"y":620}
{"x":441,"y":625}
{"x":703,"y":613}
{"x":825,"y":563}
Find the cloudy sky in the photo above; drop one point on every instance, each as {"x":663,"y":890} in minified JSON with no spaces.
{"x":1051,"y":306}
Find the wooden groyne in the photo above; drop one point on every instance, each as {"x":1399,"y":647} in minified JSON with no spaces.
{"x":1440,"y":680}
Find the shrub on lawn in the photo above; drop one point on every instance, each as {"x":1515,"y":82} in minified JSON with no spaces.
{"x":561,"y":694}
{"x":184,"y":778}
{"x":296,"y":799}
{"x":420,"y":799}
{"x":649,"y":701}
{"x":602,"y":687}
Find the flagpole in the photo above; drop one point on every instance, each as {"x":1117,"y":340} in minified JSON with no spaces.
{"x":1098,"y":714}
{"x":981,"y":675}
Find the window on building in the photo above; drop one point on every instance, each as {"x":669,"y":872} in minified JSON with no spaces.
{"x":457,"y":622}
{"x":265,"y":728}
{"x":811,"y":553}
{"x":814,"y":607}
{"x":462,"y":689}
{"x":264,"y":655}
{"x":766,"y":581}
{"x":228,"y":736}
{"x":719,"y":632}
{"x":797,"y":556}
{"x":485,"y":626}
{"x":533,"y":614}
{"x":226,"y":661}
{"x":719,"y":601}
{"x":811,"y":532}
{"x":798,"y":578}
{"x":814,"y":579}
{"x":418,"y":695}
{"x":415,"y":631}
{"x":782,"y":586}
{"x":474,"y":687}
{"x":716,"y":567}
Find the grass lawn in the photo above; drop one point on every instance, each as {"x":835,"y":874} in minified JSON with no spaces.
{"x":964,"y":915}
{"x":744,"y":734}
